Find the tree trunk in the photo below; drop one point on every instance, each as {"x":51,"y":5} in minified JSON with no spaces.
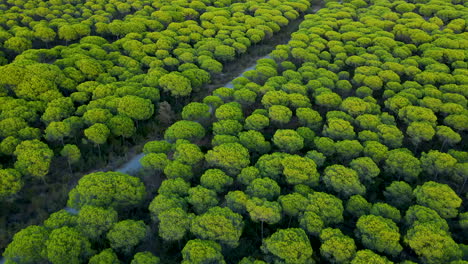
{"x":69,"y":167}
{"x":463,"y":184}
{"x":99,"y":151}
{"x":416,"y":147}
{"x":443,"y":145}
{"x":262,"y":230}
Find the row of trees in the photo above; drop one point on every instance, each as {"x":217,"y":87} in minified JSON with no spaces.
{"x":29,"y":24}
{"x":39,"y":24}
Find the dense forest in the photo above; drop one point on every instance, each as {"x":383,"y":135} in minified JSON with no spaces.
{"x":346,"y":144}
{"x":80,"y":128}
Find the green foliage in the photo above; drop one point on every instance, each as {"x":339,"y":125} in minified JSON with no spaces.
{"x":390,"y":136}
{"x":27,"y":245}
{"x":387,"y":211}
{"x":154,"y":161}
{"x":431,"y":244}
{"x":399,"y":194}
{"x":176,"y":84}
{"x":375,"y":150}
{"x":311,"y":222}
{"x":420,"y":131}
{"x":224,"y":53}
{"x":348,"y":149}
{"x":231,"y":111}
{"x":135,"y":107}
{"x":202,"y":251}
{"x":106,"y":256}
{"x":71,"y":153}
{"x":325,"y":145}
{"x":437,"y":163}
{"x":163,"y":202}
{"x":289,"y":245}
{"x":263,"y":211}
{"x":402,"y":163}
{"x":57,"y":131}
{"x":96,"y":115}
{"x":227,"y":127}
{"x":447,"y":135}
{"x":343,"y":180}
{"x":380,"y":234}
{"x":236,"y":201}
{"x":97,"y":133}
{"x":201,"y":199}
{"x":215,"y":179}
{"x":231,"y":157}
{"x":367,"y":256}
{"x":157,"y":146}
{"x":8,"y":145}
{"x":173,"y":224}
{"x":18,"y":44}
{"x":176,"y":169}
{"x":93,"y":221}
{"x":67,"y":245}
{"x":60,"y":219}
{"x":308,"y":117}
{"x":439,"y":197}
{"x":247,"y":175}
{"x":288,"y":140}
{"x":174,"y":187}
{"x":279,"y":114}
{"x":254,"y":141}
{"x":329,"y":100}
{"x":263,"y":188}
{"x":121,"y":125}
{"x":196,"y":112}
{"x":417,"y":214}
{"x":337,"y":129}
{"x":10,"y":182}
{"x":184,"y":130}
{"x":107,"y":189}
{"x":197,"y":77}
{"x":317,"y":157}
{"x":256,"y":122}
{"x":33,"y":158}
{"x":328,"y":207}
{"x":366,"y":169}
{"x":218,"y":224}
{"x":300,"y":170}
{"x":145,"y":258}
{"x":293,"y":203}
{"x":358,"y":206}
{"x":126,"y":234}
{"x":336,"y":247}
